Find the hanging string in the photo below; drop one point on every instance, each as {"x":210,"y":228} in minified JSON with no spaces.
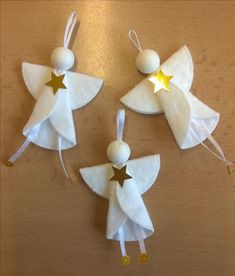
{"x":134,"y":39}
{"x":221,"y":155}
{"x":60,"y":155}
{"x":120,"y":123}
{"x":69,"y":28}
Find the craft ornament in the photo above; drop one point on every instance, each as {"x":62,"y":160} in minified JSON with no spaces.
{"x":123,"y":183}
{"x":57,"y":92}
{"x":167,"y":90}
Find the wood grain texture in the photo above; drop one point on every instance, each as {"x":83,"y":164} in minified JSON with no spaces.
{"x":51,"y":226}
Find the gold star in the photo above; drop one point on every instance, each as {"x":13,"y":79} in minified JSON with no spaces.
{"x":160,"y":81}
{"x":56,"y":82}
{"x":120,"y":175}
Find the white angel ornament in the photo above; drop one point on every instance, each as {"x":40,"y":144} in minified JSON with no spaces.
{"x":167,"y":89}
{"x":57,"y":92}
{"x":123,"y":183}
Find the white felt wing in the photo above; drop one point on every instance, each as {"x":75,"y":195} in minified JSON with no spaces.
{"x":142,"y":99}
{"x":144,"y":171}
{"x":83,"y":88}
{"x":97,"y":178}
{"x":35,"y":76}
{"x":180,"y":66}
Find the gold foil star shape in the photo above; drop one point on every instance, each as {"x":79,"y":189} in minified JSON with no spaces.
{"x":120,"y":175}
{"x":160,"y":81}
{"x":56,"y":82}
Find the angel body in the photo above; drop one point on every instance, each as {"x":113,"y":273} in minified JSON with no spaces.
{"x":126,"y":207}
{"x":52,"y":116}
{"x":190,"y":120}
{"x":57,"y":92}
{"x":184,"y":112}
{"x":123,"y":183}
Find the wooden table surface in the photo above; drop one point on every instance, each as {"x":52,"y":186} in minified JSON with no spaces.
{"x":52,"y":226}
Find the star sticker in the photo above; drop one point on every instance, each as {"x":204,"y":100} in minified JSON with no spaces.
{"x":120,"y":175}
{"x":160,"y":81}
{"x":56,"y":82}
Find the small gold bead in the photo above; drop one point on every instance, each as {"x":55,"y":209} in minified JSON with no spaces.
{"x":144,"y":258}
{"x":9,"y":164}
{"x":125,"y":260}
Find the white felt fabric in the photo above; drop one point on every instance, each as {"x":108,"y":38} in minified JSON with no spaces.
{"x":52,"y":114}
{"x":142,"y":99}
{"x":97,"y":178}
{"x":181,"y":109}
{"x":83,"y":88}
{"x":35,"y":76}
{"x":140,"y":168}
{"x":126,"y":207}
{"x":180,"y":66}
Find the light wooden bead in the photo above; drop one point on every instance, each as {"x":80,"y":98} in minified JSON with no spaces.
{"x":62,"y":59}
{"x":147,"y":61}
{"x":118,"y":152}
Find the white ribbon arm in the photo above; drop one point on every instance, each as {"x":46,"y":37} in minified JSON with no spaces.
{"x":69,"y":28}
{"x":21,"y":149}
{"x":120,"y":123}
{"x":18,"y":153}
{"x":135,"y":40}
{"x":221,"y":155}
{"x":61,"y":157}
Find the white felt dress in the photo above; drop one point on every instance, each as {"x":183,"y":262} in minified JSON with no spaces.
{"x":52,"y":115}
{"x":191,"y":121}
{"x":126,"y":207}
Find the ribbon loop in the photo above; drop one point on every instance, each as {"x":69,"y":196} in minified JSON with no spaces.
{"x":69,"y":28}
{"x":135,"y":40}
{"x":120,"y":123}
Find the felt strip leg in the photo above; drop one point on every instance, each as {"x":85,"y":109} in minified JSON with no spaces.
{"x":61,"y":158}
{"x":16,"y":155}
{"x":220,"y":154}
{"x":125,"y":257}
